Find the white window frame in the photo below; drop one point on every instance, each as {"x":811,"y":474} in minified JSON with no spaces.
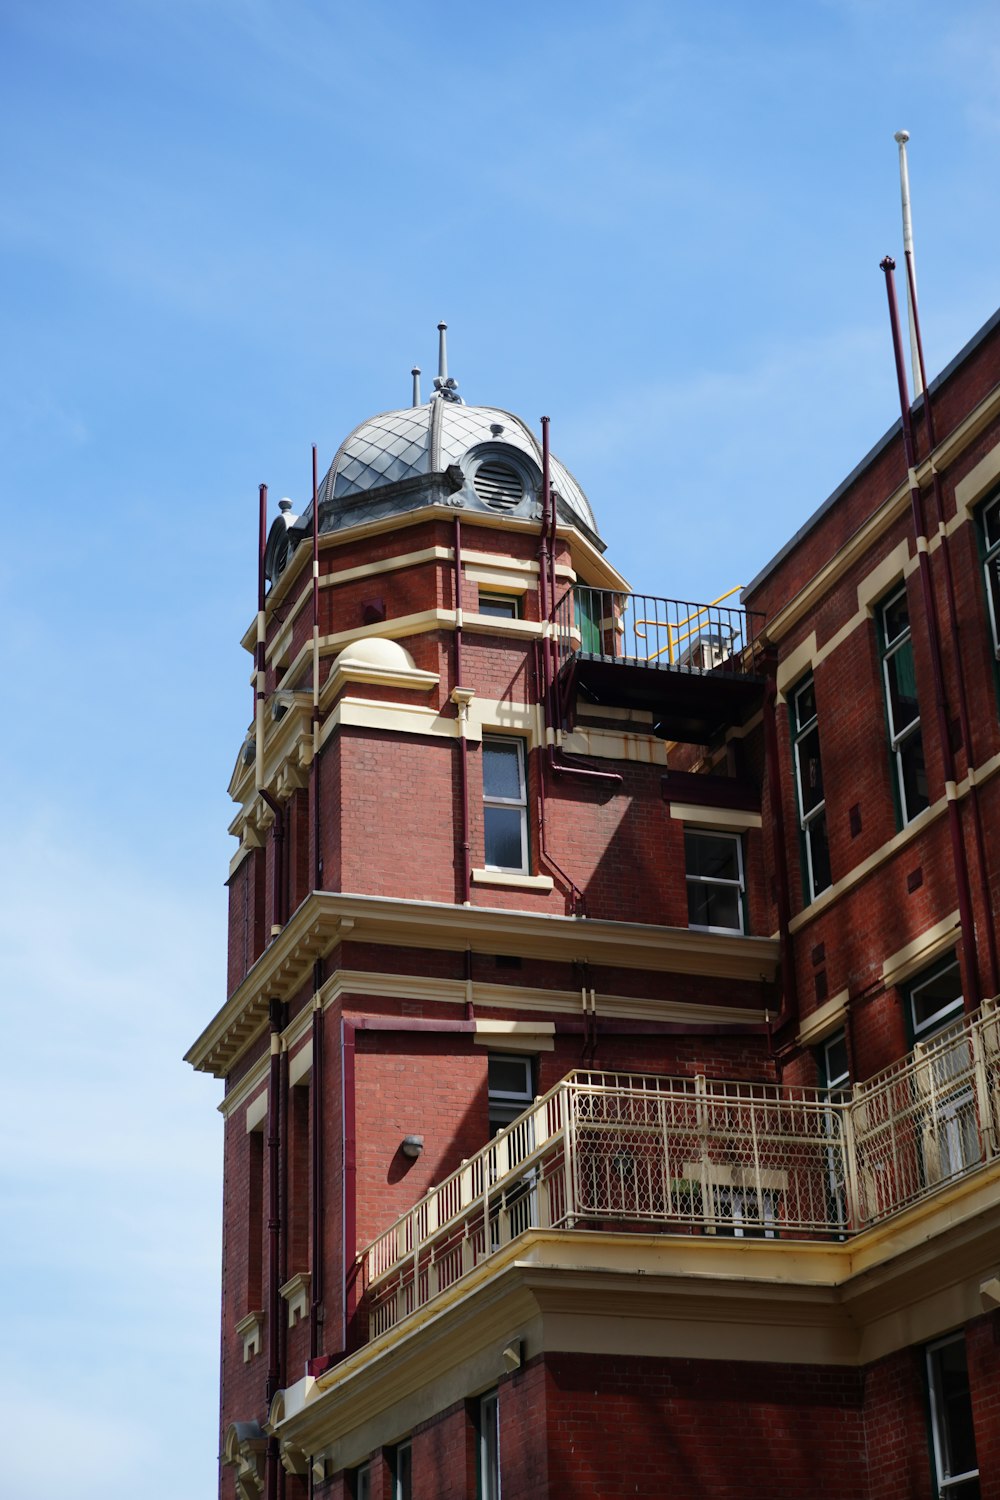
{"x":401,"y":1490}
{"x":989,"y":513}
{"x":489,"y":1451}
{"x":835,"y":1083}
{"x":808,"y":821}
{"x":500,"y":596}
{"x":363,"y":1482}
{"x":951,"y":1144}
{"x":946,"y":1482}
{"x":951,"y":1011}
{"x":516,"y":1101}
{"x":520,"y":802}
{"x":899,"y":738}
{"x":837,"y":1087}
{"x":739,"y":884}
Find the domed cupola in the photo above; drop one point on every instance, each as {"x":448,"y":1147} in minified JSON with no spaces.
{"x":443,"y":452}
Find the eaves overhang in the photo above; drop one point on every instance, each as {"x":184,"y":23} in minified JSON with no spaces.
{"x":326,"y":918}
{"x":843,"y":1303}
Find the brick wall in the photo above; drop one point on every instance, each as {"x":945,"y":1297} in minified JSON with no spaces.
{"x":618,"y":1427}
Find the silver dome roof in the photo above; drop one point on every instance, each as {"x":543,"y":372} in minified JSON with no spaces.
{"x":419,"y":440}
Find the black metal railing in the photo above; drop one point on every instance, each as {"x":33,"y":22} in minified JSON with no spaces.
{"x":641,"y":629}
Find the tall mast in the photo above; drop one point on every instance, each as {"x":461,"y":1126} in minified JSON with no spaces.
{"x":901,"y":137}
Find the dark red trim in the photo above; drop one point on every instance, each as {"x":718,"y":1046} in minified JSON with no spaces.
{"x":970,"y":963}
{"x":545,"y":675}
{"x":274,"y":1133}
{"x":317,"y":1178}
{"x":463,"y":743}
{"x":350,"y":1184}
{"x":789,"y":984}
{"x":964,"y":719}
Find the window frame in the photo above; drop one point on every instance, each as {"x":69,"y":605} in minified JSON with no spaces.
{"x":501,"y":1101}
{"x":361,"y":1481}
{"x":937,"y":1409}
{"x":816,"y":816}
{"x":488,"y":1483}
{"x":834,"y":1083}
{"x":697,"y":831}
{"x":500,"y":597}
{"x":939,"y":1020}
{"x":837,"y":1087}
{"x":402,"y":1489}
{"x":911,"y":734}
{"x":520,"y":802}
{"x":990,"y":552}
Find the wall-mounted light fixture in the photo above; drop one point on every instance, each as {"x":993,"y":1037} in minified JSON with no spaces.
{"x":412,"y":1146}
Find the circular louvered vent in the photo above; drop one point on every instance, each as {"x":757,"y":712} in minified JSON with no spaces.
{"x":498,"y":485}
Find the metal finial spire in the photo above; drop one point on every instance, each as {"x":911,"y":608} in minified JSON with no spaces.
{"x":415,"y":372}
{"x":444,"y":386}
{"x":901,"y":137}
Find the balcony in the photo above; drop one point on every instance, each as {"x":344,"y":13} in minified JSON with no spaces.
{"x":696,"y":667}
{"x":696,"y":1156}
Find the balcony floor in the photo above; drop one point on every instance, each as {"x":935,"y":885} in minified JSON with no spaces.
{"x":689,"y":704}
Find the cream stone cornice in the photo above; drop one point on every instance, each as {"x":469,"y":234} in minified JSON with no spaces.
{"x":973,"y":487}
{"x":288,"y":751}
{"x":715,"y":817}
{"x":497,"y":625}
{"x":325,"y":918}
{"x":477,"y":564}
{"x":512,"y":881}
{"x":530,"y":999}
{"x":422,"y":622}
{"x":824,"y":1020}
{"x":589,"y":563}
{"x":387,"y":565}
{"x":857,"y":545}
{"x":411,"y":679}
{"x":660,"y":1295}
{"x":384,"y":565}
{"x":929,"y":945}
{"x":400,"y":627}
{"x":347,"y":575}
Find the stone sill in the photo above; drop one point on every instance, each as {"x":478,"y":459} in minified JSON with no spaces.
{"x":512,"y":881}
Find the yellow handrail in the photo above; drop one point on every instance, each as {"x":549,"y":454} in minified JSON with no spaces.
{"x":675,"y":633}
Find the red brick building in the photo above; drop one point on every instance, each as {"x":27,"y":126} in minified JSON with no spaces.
{"x":612,"y":1076}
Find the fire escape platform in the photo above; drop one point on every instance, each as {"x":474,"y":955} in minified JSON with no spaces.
{"x":697,"y":668}
{"x":689,"y":704}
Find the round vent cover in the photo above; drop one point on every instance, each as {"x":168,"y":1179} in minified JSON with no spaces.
{"x":498,"y":485}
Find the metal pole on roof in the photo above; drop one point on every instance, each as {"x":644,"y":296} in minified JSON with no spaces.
{"x":901,"y":137}
{"x":415,"y":372}
{"x":442,"y":351}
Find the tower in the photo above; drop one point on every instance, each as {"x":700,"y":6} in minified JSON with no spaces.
{"x":544,"y":1169}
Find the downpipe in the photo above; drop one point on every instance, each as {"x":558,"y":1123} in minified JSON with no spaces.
{"x":970,"y":986}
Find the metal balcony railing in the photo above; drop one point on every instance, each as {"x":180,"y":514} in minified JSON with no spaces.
{"x":696,"y":1155}
{"x":642,"y":630}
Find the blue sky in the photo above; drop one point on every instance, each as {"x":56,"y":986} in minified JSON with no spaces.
{"x":228,"y":228}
